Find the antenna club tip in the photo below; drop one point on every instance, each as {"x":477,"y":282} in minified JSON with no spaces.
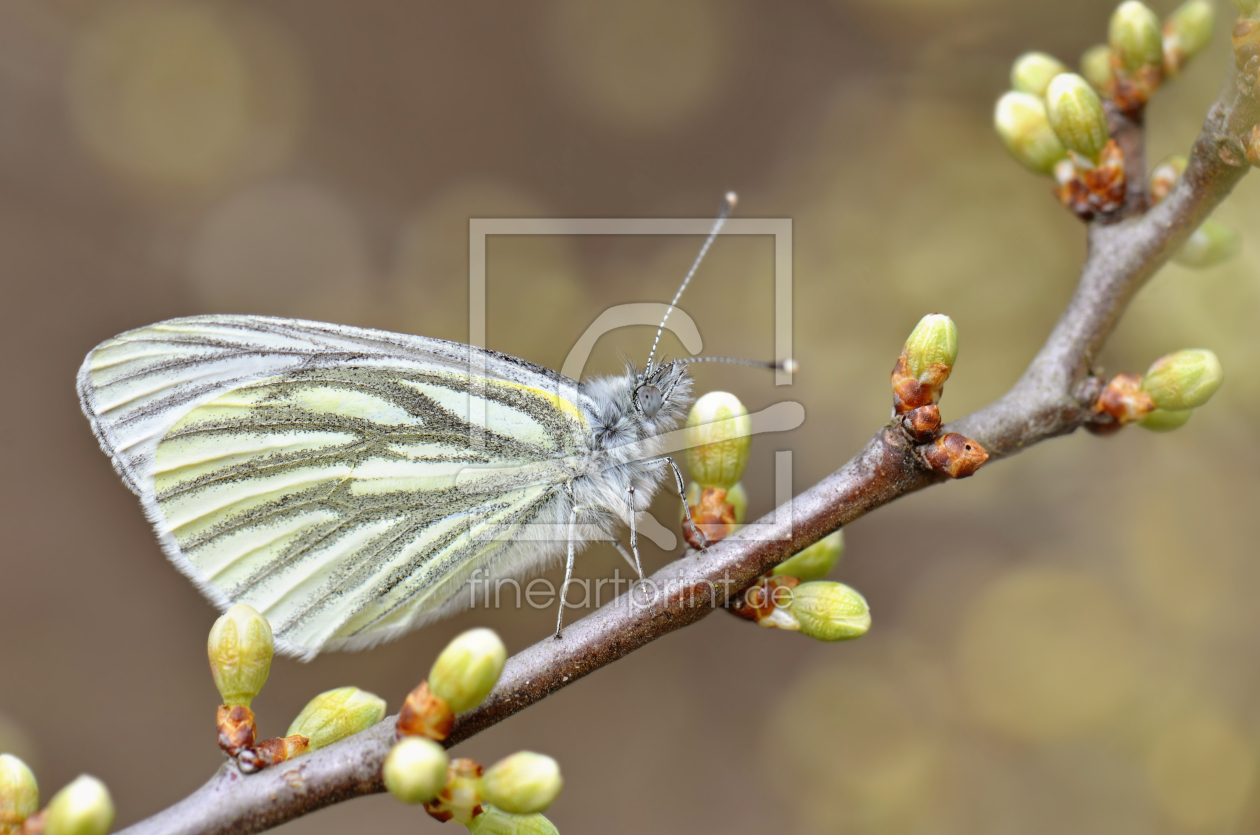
{"x":731,"y":199}
{"x":790,"y":365}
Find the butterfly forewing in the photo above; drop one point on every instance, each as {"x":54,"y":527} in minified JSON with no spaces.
{"x":344,"y":482}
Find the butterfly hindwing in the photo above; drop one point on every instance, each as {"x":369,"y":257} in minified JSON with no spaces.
{"x":344,"y":482}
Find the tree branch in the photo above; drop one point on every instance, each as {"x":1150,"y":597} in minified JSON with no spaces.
{"x":1053,"y":397}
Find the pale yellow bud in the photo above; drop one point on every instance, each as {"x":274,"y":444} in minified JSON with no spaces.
{"x":828,"y":611}
{"x":1032,"y":72}
{"x":1165,"y":421}
{"x":467,"y":670}
{"x":495,"y":821}
{"x":1021,"y":122}
{"x":718,"y":436}
{"x":1135,"y":36}
{"x":816,"y":561}
{"x":1096,"y":69}
{"x":522,"y":784}
{"x":336,"y":714}
{"x":1076,"y":114}
{"x":415,"y":770}
{"x":1184,"y":380}
{"x":19,"y":793}
{"x":82,"y":808}
{"x":240,"y":649}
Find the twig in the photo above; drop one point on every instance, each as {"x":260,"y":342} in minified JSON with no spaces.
{"x":1052,"y":398}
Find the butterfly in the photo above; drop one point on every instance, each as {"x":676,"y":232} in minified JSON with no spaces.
{"x":349,"y":483}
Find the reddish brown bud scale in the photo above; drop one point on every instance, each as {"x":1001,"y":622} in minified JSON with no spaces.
{"x":237,"y":729}
{"x":955,"y":456}
{"x":1123,"y":400}
{"x":425,"y":714}
{"x":457,"y":800}
{"x":273,"y":751}
{"x":760,"y":600}
{"x":923,"y":423}
{"x":1251,"y":141}
{"x":34,"y":824}
{"x":713,"y":515}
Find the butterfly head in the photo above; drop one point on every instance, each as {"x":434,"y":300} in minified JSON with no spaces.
{"x":662,"y":391}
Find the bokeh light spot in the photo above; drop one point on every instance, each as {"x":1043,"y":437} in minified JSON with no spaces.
{"x":1047,"y":653}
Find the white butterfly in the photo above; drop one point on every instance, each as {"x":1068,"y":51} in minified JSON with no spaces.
{"x":347,"y":483}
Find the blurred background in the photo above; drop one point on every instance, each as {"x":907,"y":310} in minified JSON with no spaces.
{"x":1066,"y":642}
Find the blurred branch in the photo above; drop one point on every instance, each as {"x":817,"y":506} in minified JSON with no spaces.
{"x":1053,"y":397}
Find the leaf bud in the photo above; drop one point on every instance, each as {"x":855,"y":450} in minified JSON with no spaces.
{"x":816,"y":561}
{"x":415,"y":770}
{"x":1021,"y":122}
{"x":1076,"y":114}
{"x":1186,"y":32}
{"x":467,"y":670}
{"x":1207,"y":246}
{"x":240,"y":649}
{"x":19,"y":794}
{"x":1165,"y":175}
{"x":84,"y":807}
{"x":495,"y":821}
{"x":522,"y":784}
{"x":1135,"y":37}
{"x":1246,"y":6}
{"x":718,"y":436}
{"x":1184,"y":380}
{"x":1162,"y":420}
{"x":1096,"y":69}
{"x":954,"y":455}
{"x":828,"y":611}
{"x":1032,"y":71}
{"x":336,"y":714}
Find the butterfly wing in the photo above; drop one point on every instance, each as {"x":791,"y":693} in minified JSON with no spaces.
{"x":345,"y":482}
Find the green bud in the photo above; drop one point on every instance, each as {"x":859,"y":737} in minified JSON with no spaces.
{"x":736,"y":495}
{"x":932,"y":348}
{"x":1021,"y":123}
{"x":718,"y":436}
{"x":1135,"y":36}
{"x":1161,"y":420}
{"x":1032,"y":71}
{"x":1187,"y":31}
{"x":467,"y":670}
{"x":19,"y":793}
{"x":1076,"y":114}
{"x":1184,"y":380}
{"x":828,"y":611}
{"x":336,"y":714}
{"x":1096,"y":68}
{"x":522,"y":784}
{"x":82,"y":808}
{"x":1207,"y":246}
{"x":816,"y":561}
{"x":240,"y":650}
{"x":415,"y":769}
{"x":1246,"y":6}
{"x":495,"y":821}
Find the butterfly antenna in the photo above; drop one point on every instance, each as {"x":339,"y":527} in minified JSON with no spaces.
{"x":789,"y":365}
{"x":728,"y":204}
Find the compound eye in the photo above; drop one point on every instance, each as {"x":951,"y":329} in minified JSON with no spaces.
{"x":650,"y":399}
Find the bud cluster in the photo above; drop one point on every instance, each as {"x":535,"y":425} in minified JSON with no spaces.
{"x":240,"y":649}
{"x":510,"y":795}
{"x":918,"y":379}
{"x":1054,"y":121}
{"x":83,"y":807}
{"x":1164,"y":398}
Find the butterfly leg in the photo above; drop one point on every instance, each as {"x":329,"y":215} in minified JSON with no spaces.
{"x":568,"y":571}
{"x":682,"y":494}
{"x":634,"y":546}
